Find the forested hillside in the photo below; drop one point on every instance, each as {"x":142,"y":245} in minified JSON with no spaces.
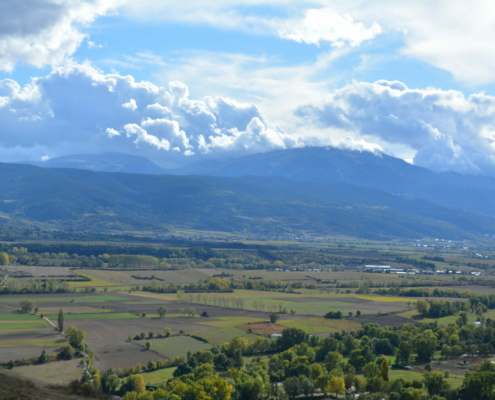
{"x":82,"y":200}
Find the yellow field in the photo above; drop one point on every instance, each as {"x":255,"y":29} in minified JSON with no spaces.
{"x":94,"y":281}
{"x":384,"y":299}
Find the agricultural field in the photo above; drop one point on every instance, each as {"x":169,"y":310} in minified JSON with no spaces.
{"x":43,"y":272}
{"x":156,"y":377}
{"x":115,"y":317}
{"x":94,"y":281}
{"x":179,"y":345}
{"x":24,"y":336}
{"x":58,"y":372}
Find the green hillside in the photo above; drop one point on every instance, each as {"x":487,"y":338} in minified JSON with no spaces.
{"x":83,"y":200}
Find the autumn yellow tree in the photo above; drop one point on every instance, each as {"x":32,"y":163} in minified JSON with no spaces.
{"x":336,"y":385}
{"x":4,"y":258}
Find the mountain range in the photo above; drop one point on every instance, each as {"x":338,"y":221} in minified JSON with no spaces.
{"x":307,"y":190}
{"x":319,"y":165}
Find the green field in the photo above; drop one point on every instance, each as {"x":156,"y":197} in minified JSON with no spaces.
{"x":75,"y":299}
{"x":33,"y":342}
{"x":18,"y":317}
{"x":155,"y":377}
{"x":319,"y":325}
{"x":222,"y":335}
{"x":22,"y":324}
{"x":98,"y":316}
{"x":455,"y":380}
{"x":177,"y":345}
{"x":228,"y":322}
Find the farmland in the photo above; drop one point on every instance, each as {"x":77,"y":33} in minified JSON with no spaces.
{"x":118,"y":311}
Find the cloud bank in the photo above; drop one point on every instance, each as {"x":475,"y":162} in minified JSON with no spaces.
{"x":77,"y":109}
{"x":448,"y":130}
{"x":40,"y":33}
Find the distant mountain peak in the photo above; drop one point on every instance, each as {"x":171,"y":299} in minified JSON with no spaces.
{"x":106,"y":162}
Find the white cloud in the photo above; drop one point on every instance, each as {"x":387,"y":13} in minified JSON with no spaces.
{"x":40,"y":32}
{"x":447,"y":130}
{"x":167,"y":126}
{"x":131,"y":105}
{"x":453,"y":35}
{"x":112,"y":132}
{"x":326,"y":26}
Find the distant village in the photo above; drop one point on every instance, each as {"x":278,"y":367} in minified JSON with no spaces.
{"x":387,"y":269}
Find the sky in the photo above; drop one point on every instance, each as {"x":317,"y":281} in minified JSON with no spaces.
{"x":179,"y":82}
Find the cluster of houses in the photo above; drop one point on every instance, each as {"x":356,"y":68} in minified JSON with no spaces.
{"x":387,"y":269}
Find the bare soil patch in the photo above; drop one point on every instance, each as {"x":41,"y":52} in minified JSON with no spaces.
{"x":384,"y":319}
{"x":119,"y":354}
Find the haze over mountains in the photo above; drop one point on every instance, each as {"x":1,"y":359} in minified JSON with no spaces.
{"x":308,"y":190}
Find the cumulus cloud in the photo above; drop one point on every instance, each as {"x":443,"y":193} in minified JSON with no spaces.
{"x":448,"y":130}
{"x":323,"y":25}
{"x":40,"y":32}
{"x":62,"y":114}
{"x":112,"y":132}
{"x":131,"y":105}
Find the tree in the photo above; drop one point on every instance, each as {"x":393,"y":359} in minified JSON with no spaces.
{"x":43,"y":358}
{"x":435,"y":383}
{"x":403,"y":352}
{"x":27,"y":305}
{"x":273,"y":318}
{"x":4,"y":258}
{"x":75,"y":336}
{"x":168,"y":332}
{"x":67,"y":353}
{"x":237,"y":359}
{"x":162,"y":311}
{"x":425,"y":347}
{"x":60,"y":321}
{"x":384,"y":369}
{"x":358,"y":313}
{"x":423,"y":307}
{"x":292,"y":336}
{"x":113,"y":383}
{"x":136,"y":383}
{"x":332,"y":360}
{"x":292,"y":387}
{"x":462,"y":319}
{"x":370,"y":370}
{"x":148,"y":345}
{"x":336,"y":385}
{"x":307,"y":387}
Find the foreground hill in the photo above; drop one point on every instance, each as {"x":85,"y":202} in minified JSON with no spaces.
{"x":82,"y":200}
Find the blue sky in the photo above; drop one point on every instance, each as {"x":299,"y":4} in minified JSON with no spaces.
{"x":182,"y":81}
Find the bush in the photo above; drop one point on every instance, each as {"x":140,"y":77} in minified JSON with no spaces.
{"x":333,"y":315}
{"x":67,"y":353}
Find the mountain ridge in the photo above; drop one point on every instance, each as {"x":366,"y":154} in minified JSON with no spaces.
{"x":85,"y":200}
